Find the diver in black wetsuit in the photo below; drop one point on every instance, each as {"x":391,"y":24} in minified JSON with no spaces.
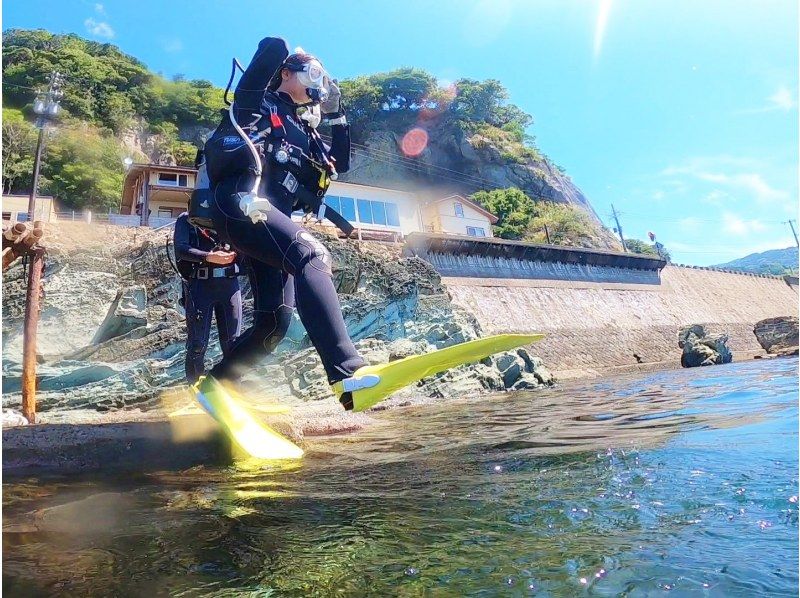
{"x":251,"y":206}
{"x":210,"y":289}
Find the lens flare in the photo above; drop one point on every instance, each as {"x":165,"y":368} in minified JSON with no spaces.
{"x":414,"y":142}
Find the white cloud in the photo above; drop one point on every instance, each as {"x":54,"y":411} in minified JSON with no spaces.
{"x":782,"y":100}
{"x":99,"y":28}
{"x":735,"y":225}
{"x":100,"y":9}
{"x":736,"y":174}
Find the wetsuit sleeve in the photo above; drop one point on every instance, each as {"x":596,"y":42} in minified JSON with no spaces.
{"x":340,"y":147}
{"x":183,"y":245}
{"x":271,"y":53}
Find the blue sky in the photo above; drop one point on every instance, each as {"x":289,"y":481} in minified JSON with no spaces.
{"x":683,"y":114}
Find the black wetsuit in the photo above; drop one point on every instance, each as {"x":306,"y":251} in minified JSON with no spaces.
{"x":288,"y":267}
{"x":208,"y":290}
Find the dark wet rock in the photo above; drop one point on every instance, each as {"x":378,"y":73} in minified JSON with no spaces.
{"x":778,"y":336}
{"x":701,"y":348}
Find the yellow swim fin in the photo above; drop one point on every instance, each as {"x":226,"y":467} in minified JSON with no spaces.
{"x":256,"y":438}
{"x":371,"y":384}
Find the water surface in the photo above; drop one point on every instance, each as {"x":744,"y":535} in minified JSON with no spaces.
{"x":672,"y":483}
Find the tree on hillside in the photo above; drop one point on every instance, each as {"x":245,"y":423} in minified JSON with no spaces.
{"x":566,"y":225}
{"x":644,"y":248}
{"x":83,"y":168}
{"x":512,"y":207}
{"x":19,"y":145}
{"x":102,"y":85}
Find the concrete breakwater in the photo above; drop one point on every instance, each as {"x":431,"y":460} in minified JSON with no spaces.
{"x":592,"y":326}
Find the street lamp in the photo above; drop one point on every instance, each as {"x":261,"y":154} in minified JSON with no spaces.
{"x":127,"y":161}
{"x":46,"y":107}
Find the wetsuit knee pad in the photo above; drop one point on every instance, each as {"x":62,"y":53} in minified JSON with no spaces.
{"x":306,"y":250}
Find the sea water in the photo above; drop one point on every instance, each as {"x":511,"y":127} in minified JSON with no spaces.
{"x":680,"y":483}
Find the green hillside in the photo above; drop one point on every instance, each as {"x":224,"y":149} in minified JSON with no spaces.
{"x":774,"y":261}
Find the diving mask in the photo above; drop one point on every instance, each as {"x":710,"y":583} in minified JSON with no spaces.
{"x":312,"y":76}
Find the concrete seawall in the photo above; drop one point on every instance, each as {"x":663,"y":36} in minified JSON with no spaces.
{"x":592,"y":326}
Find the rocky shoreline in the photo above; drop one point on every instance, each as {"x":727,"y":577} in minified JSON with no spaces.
{"x":112,"y":331}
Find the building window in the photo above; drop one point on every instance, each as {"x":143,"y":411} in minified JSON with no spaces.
{"x":166,"y":178}
{"x":364,"y":211}
{"x":334,"y":202}
{"x":173,"y":180}
{"x":459,"y":207}
{"x":476,"y":231}
{"x":378,"y":212}
{"x":348,"y":210}
{"x":392,"y":215}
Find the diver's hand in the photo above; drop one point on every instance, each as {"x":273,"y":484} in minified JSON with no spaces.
{"x":223,"y":258}
{"x":332,"y":107}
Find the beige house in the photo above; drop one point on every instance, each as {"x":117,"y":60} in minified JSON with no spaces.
{"x":456,"y":215}
{"x":154,"y":195}
{"x":15,"y":208}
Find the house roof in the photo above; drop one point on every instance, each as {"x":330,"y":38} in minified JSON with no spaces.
{"x":460,"y":198}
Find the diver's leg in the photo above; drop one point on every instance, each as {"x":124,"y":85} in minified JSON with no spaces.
{"x":283,"y":244}
{"x":228,"y":313}
{"x":198,"y":329}
{"x":273,"y":302}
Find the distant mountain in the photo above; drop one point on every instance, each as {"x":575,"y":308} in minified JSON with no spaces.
{"x":774,"y":261}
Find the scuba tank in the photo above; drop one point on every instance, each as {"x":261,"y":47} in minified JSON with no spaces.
{"x":201,"y":198}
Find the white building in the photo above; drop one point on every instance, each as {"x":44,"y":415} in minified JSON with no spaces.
{"x":154,"y":195}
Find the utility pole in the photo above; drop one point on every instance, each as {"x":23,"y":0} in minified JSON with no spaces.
{"x":46,"y":106}
{"x":619,"y":228}
{"x":791,"y":224}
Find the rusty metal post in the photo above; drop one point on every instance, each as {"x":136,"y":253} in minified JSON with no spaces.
{"x":29,"y":334}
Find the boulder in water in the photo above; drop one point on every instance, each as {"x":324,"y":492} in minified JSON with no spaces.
{"x":778,"y":336}
{"x":702,"y":348}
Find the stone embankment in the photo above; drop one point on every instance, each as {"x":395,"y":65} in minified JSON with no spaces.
{"x":593,"y":327}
